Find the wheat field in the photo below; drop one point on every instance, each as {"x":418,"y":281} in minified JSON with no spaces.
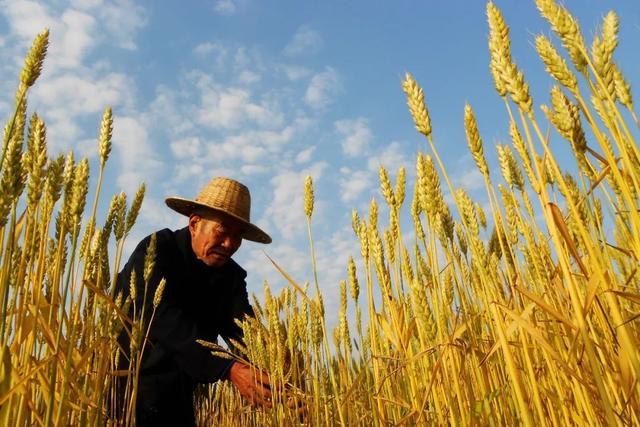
{"x":521,"y":310}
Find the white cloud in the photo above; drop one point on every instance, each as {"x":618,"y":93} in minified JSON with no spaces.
{"x":229,"y":58}
{"x":215,"y":52}
{"x":188,"y":171}
{"x":391,"y":157}
{"x":353,"y":183}
{"x":123,"y":19}
{"x":286,"y":209}
{"x":75,"y":30}
{"x":248,"y":77}
{"x":70,"y":33}
{"x":305,"y":40}
{"x":71,"y":86}
{"x":224,"y":108}
{"x":471,"y":179}
{"x":230,"y":107}
{"x":287,"y":256}
{"x":467,"y":174}
{"x":27,"y":18}
{"x":196,"y":174}
{"x":248,"y":146}
{"x":186,"y":147}
{"x":138,"y":161}
{"x":62,"y":130}
{"x":62,"y":100}
{"x":322,"y":89}
{"x":241,"y":58}
{"x":246,"y":152}
{"x":332,"y":257}
{"x":76,"y":39}
{"x":252,"y":153}
{"x":155,"y":214}
{"x":84,"y":94}
{"x":86,"y":4}
{"x":206,"y":48}
{"x":356,"y":136}
{"x":225,"y":7}
{"x":131,"y":139}
{"x":305,"y":155}
{"x":332,"y":254}
{"x":295,"y":72}
{"x":254,"y":169}
{"x":274,"y":140}
{"x":166,"y":109}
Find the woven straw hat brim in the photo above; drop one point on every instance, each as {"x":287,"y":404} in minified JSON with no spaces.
{"x":187,"y":207}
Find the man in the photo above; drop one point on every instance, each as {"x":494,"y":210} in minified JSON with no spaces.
{"x":205,"y":291}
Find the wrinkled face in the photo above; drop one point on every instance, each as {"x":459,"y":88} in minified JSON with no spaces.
{"x":215,"y":239}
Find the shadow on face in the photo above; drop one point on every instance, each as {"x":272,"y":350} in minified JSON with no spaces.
{"x":215,"y":237}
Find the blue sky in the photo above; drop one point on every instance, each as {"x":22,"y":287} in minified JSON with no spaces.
{"x":268,"y":92}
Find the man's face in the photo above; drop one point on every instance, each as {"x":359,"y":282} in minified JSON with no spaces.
{"x":215,"y":239}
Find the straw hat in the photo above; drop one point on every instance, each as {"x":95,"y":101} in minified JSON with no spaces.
{"x":222,"y":195}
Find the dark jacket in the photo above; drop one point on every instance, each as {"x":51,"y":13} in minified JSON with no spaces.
{"x":199,"y":302}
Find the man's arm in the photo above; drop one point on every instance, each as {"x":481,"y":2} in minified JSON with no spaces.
{"x":252,"y":383}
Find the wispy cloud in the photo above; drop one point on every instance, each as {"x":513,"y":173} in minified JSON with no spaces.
{"x":332,"y":252}
{"x":70,"y":31}
{"x":85,"y":4}
{"x":305,"y":155}
{"x":214,"y":53}
{"x":295,"y":72}
{"x":392,"y":157}
{"x":248,"y":146}
{"x":254,"y":169}
{"x":286,"y":210}
{"x":78,"y":29}
{"x":287,"y":255}
{"x":65,"y":98}
{"x":323,"y":88}
{"x":226,"y":7}
{"x":353,"y":183}
{"x":167,"y":109}
{"x":73,"y":85}
{"x":235,"y":112}
{"x":154,"y":211}
{"x":332,"y":256}
{"x":76,"y":39}
{"x":187,"y":147}
{"x":467,"y":175}
{"x":122,"y":19}
{"x":355,"y":136}
{"x":306,"y":40}
{"x":27,"y":18}
{"x":248,"y":77}
{"x":85,"y":93}
{"x":225,"y":107}
{"x":206,"y":48}
{"x":138,"y":161}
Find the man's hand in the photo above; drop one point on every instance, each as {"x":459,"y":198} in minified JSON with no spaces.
{"x":252,"y":383}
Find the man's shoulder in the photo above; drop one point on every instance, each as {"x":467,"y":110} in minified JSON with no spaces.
{"x":165,"y":239}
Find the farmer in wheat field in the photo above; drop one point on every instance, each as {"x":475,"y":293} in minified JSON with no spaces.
{"x":205,"y":291}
